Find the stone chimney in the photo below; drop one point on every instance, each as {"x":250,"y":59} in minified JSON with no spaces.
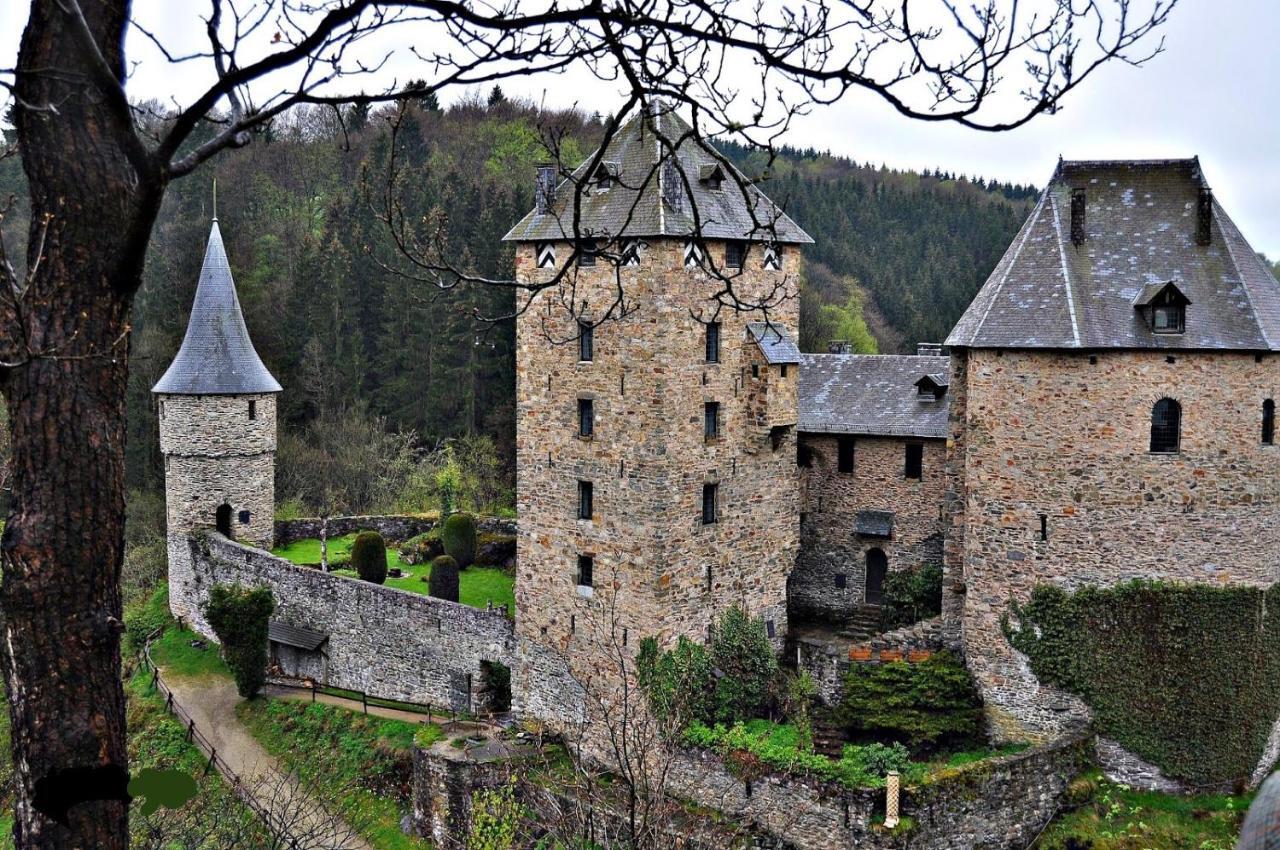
{"x":929,"y":349}
{"x":545,"y":191}
{"x":1204,"y":217}
{"x":838,"y":346}
{"x":1077,"y":216}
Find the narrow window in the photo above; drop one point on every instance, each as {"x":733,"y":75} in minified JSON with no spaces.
{"x":842,"y":581}
{"x":586,"y":500}
{"x":586,"y":341}
{"x":1166,"y":426}
{"x":625,"y":635}
{"x":713,"y":342}
{"x":1268,"y":422}
{"x":586,"y":566}
{"x":1044,"y":527}
{"x":844,"y":454}
{"x":573,"y":623}
{"x":162,"y":408}
{"x":709,"y":499}
{"x":733,"y":253}
{"x":784,"y":370}
{"x":586,"y":417}
{"x":587,"y":252}
{"x":755,"y":370}
{"x":253,"y":409}
{"x":770,"y":628}
{"x":711,"y":420}
{"x":915,"y":461}
{"x":709,"y":576}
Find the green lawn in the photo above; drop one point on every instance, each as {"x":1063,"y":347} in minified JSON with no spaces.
{"x":476,"y":587}
{"x":1112,"y":817}
{"x":362,"y":762}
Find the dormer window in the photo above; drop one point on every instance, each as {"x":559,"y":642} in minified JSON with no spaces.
{"x":711,"y":176}
{"x":932,"y":387}
{"x":606,"y":175}
{"x":1164,"y":306}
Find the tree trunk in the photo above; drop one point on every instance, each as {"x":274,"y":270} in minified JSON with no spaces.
{"x":93,"y":202}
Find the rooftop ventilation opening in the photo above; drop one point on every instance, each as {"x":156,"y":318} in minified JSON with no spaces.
{"x":1077,"y":216}
{"x":838,"y":346}
{"x":545,"y":190}
{"x":1204,"y":217}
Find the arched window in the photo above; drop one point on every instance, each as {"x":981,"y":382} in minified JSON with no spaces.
{"x":877,"y":567}
{"x":1166,"y":426}
{"x":1268,"y":422}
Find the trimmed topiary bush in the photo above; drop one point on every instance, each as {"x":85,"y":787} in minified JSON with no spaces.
{"x":422,"y":548}
{"x":458,"y":534}
{"x":443,"y":581}
{"x":369,"y":557}
{"x":239,"y":617}
{"x":932,"y":704}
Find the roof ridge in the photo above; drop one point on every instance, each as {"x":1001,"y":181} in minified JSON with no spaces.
{"x":1221,"y":215}
{"x":1066,"y":272}
{"x":1019,"y":243}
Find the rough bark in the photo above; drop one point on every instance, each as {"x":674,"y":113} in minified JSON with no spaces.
{"x":93,"y":201}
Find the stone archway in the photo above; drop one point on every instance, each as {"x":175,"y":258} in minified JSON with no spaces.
{"x":222,"y":520}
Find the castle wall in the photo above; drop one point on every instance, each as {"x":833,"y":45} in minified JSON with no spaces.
{"x":387,"y":642}
{"x":829,"y":543}
{"x":1050,"y":433}
{"x":648,"y":460}
{"x":215,"y":454}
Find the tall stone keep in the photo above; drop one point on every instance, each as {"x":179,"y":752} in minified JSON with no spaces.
{"x":217,"y":411}
{"x":656,"y":479}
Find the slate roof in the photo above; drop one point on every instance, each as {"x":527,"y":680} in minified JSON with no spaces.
{"x":1140,"y":229}
{"x":874,"y":523}
{"x":634,"y":205}
{"x":774,"y":341}
{"x":871,"y":395}
{"x":217,"y":357}
{"x":299,"y":636}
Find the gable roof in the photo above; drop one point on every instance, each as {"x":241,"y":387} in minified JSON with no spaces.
{"x":296,"y":636}
{"x":1140,"y":230}
{"x":634,"y":206}
{"x":217,"y":357}
{"x":774,"y":342}
{"x":871,"y":395}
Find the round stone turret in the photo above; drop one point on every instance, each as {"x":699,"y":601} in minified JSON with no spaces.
{"x":217,"y":411}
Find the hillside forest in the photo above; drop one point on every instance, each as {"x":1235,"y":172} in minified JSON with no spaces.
{"x":392,"y":384}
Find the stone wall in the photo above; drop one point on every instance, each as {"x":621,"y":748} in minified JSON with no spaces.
{"x":826,"y":658}
{"x":999,"y":803}
{"x":831,"y":550}
{"x":658,"y":569}
{"x":386,"y":642}
{"x":1051,"y":434}
{"x":395,"y":529}
{"x":215,"y":454}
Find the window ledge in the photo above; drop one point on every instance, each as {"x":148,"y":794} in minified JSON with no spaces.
{"x":587,"y":438}
{"x":586,"y":591}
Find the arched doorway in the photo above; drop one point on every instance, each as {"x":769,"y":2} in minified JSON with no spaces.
{"x":877,"y":566}
{"x":223,"y":520}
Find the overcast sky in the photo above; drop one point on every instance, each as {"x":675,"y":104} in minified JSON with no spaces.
{"x":1212,"y":93}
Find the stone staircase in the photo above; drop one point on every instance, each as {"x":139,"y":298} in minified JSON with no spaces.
{"x":828,"y":738}
{"x":862,"y":624}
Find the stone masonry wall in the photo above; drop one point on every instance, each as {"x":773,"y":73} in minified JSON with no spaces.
{"x":386,"y":642}
{"x":1049,"y":433}
{"x":826,"y":660}
{"x":215,"y":454}
{"x":658,"y":570}
{"x":830,"y":546}
{"x":396,"y":529}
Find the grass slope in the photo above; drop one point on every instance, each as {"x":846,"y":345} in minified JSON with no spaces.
{"x":477,"y":585}
{"x":363,"y":762}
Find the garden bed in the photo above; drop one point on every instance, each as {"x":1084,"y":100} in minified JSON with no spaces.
{"x":477,"y":586}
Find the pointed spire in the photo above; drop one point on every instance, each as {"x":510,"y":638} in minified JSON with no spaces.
{"x":217,"y":357}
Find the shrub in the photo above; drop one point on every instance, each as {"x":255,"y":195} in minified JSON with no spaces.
{"x":239,"y":616}
{"x":422,"y":548}
{"x":494,"y":550}
{"x":458,"y":534}
{"x":369,"y":557}
{"x":741,"y":652}
{"x":678,"y":682}
{"x":911,"y":596}
{"x":443,"y":581}
{"x":930,"y":704}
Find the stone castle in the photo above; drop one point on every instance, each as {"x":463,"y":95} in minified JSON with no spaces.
{"x":1104,"y":410}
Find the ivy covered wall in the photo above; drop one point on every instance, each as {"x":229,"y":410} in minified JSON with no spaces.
{"x":1186,"y":676}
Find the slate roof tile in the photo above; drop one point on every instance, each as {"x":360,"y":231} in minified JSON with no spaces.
{"x":871,"y":395}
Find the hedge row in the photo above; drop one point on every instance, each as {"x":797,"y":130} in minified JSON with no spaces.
{"x":1186,"y":676}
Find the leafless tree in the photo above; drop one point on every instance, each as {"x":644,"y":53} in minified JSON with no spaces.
{"x":96,"y":179}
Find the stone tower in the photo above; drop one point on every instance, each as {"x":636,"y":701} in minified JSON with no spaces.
{"x":217,"y":411}
{"x":656,"y":482}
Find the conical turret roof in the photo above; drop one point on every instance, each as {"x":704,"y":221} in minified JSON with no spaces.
{"x":217,"y":357}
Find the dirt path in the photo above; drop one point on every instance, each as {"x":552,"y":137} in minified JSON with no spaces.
{"x":457,"y":727}
{"x":211,"y":703}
